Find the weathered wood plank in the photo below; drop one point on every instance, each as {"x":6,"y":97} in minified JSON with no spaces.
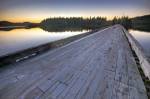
{"x":144,"y":61}
{"x":98,"y":66}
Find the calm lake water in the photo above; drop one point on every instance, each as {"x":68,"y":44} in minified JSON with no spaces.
{"x":19,"y":39}
{"x":143,"y":38}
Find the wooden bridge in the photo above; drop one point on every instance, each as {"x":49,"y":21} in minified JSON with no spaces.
{"x":98,"y":66}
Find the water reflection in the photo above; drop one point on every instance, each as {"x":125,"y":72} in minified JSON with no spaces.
{"x":10,"y":28}
{"x":19,"y":39}
{"x":143,"y":38}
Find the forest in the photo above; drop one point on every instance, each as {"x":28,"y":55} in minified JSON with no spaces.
{"x":80,"y":23}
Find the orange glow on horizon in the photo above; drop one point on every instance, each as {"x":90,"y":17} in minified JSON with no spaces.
{"x":37,"y":14}
{"x":38,"y":20}
{"x":19,"y":15}
{"x":24,"y":20}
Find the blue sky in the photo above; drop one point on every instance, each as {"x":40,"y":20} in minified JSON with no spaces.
{"x":36,"y":10}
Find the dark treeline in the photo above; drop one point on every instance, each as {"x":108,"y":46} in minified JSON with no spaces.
{"x":125,"y":21}
{"x":141,"y":23}
{"x":138,"y":23}
{"x":73,"y":23}
{"x":79,"y":23}
{"x":8,"y":26}
{"x":27,"y":24}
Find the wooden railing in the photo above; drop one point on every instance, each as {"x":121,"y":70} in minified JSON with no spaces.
{"x":143,"y":59}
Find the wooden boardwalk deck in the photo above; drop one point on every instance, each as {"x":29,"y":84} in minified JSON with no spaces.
{"x":98,"y":66}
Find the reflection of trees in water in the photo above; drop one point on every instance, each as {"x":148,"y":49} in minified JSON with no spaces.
{"x":50,"y":30}
{"x":79,"y":23}
{"x":8,"y":26}
{"x":141,"y":23}
{"x":6,"y":29}
{"x":74,"y":23}
{"x":12,"y":28}
{"x":65,"y":29}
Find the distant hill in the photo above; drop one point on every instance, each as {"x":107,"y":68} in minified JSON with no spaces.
{"x":5,"y":23}
{"x":26,"y":24}
{"x":141,"y":22}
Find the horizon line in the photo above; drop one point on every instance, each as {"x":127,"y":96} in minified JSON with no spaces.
{"x":35,"y":20}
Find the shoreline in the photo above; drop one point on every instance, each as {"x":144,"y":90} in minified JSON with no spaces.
{"x":34,"y":51}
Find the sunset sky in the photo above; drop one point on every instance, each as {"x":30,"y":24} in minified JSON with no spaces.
{"x":36,"y":10}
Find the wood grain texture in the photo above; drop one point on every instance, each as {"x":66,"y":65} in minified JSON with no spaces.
{"x":144,"y":61}
{"x":98,"y":66}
